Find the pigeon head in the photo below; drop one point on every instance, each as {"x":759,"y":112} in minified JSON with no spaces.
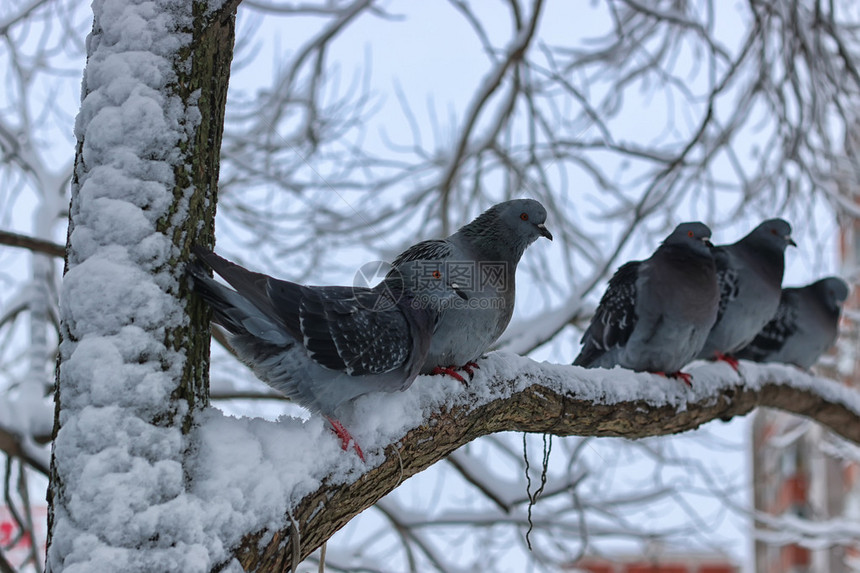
{"x":833,"y":291}
{"x":696,"y":236}
{"x":505,"y":230}
{"x":773,"y":234}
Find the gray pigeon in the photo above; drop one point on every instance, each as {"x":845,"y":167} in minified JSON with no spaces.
{"x":323,"y":346}
{"x":656,"y":313}
{"x":482,"y":257}
{"x":749,"y":274}
{"x":805,"y":325}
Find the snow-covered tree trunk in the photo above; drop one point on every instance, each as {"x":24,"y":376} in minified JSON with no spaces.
{"x":132,"y":366}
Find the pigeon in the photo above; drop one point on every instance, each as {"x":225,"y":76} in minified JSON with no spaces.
{"x":749,"y":274}
{"x":482,"y":257}
{"x":656,"y":314}
{"x":804,"y":327}
{"x":325,"y":345}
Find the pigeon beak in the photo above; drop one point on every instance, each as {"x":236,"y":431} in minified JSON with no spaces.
{"x":707,"y":241}
{"x":790,"y":241}
{"x":544,"y":231}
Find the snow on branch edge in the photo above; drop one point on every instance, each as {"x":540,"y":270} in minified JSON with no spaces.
{"x":253,"y":472}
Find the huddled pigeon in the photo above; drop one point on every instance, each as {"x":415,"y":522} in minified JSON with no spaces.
{"x":656,"y":313}
{"x":805,"y":325}
{"x":323,"y":346}
{"x":482,"y":257}
{"x":749,"y":274}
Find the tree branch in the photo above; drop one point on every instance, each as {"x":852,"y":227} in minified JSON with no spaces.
{"x":512,"y":393}
{"x":490,"y":84}
{"x":35,"y":245}
{"x":12,"y":445}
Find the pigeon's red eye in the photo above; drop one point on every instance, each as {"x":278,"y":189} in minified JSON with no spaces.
{"x":690,"y":233}
{"x":524,"y":216}
{"x":437,"y":275}
{"x":773,"y":232}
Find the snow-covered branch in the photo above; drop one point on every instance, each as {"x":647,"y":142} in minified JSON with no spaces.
{"x":513,"y":393}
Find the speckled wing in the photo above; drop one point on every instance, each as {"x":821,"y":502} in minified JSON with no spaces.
{"x":727,"y":280}
{"x":350,"y":329}
{"x":355,"y":330}
{"x":774,"y":334}
{"x":615,"y":318}
{"x":433,"y":250}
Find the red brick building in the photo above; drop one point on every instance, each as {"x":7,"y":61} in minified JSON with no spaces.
{"x":659,"y":562}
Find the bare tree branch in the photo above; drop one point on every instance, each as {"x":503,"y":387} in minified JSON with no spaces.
{"x":490,"y":84}
{"x":35,"y":245}
{"x":12,"y":445}
{"x":5,"y":566}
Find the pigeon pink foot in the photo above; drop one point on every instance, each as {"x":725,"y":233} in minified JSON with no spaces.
{"x":345,"y":437}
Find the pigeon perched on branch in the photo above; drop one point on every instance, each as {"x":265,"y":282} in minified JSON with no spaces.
{"x":749,"y":274}
{"x":656,"y":314}
{"x":323,"y":346}
{"x":805,"y":325}
{"x":482,"y":257}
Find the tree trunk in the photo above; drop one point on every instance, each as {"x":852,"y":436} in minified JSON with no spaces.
{"x":170,"y":188}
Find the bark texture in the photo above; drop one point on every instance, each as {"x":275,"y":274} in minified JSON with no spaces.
{"x":210,"y":57}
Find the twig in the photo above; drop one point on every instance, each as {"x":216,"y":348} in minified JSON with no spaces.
{"x":36,"y":245}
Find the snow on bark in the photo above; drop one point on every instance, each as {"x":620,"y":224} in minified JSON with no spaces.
{"x":119,"y":485}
